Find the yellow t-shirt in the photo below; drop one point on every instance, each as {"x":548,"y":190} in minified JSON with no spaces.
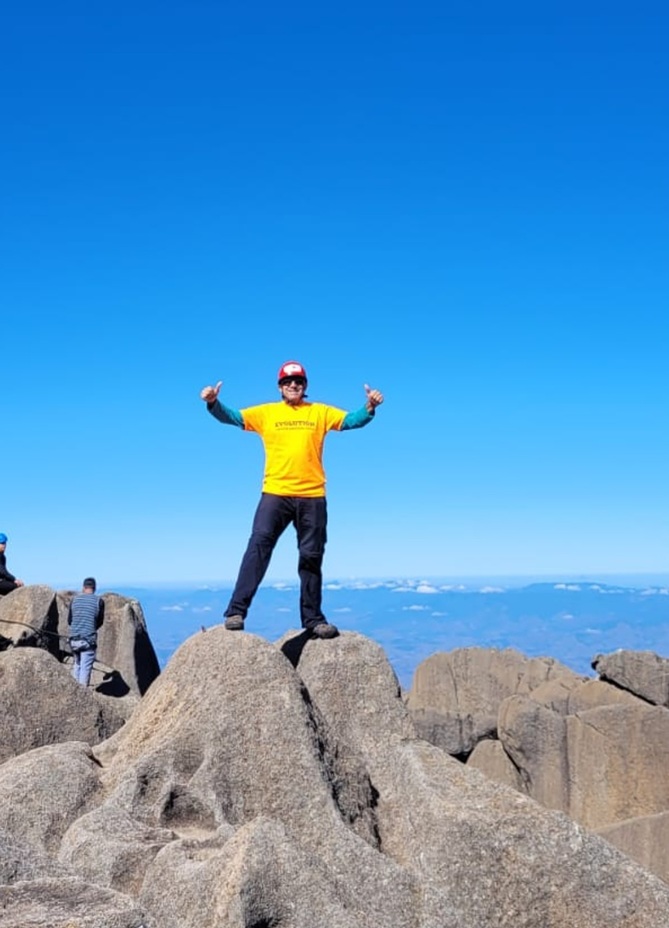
{"x":293,"y":437}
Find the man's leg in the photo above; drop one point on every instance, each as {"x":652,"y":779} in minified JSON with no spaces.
{"x":75,"y":666}
{"x":311,"y":524}
{"x":7,"y":586}
{"x":86,"y":661}
{"x":271,"y":518}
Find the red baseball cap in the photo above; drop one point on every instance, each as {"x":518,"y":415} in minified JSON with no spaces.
{"x":291,"y":369}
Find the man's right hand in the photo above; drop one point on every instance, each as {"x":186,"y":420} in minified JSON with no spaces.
{"x":210,"y":394}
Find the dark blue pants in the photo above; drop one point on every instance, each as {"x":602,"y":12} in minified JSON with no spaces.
{"x":273,"y":515}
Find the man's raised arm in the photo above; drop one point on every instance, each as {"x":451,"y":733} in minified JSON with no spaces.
{"x":218,"y":410}
{"x":364,"y":415}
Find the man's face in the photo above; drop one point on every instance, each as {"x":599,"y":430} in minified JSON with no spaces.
{"x":3,"y":545}
{"x":292,"y":389}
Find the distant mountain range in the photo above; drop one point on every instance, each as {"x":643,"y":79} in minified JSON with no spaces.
{"x":412,"y":619}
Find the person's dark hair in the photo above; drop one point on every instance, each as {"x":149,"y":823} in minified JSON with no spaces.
{"x":89,"y":583}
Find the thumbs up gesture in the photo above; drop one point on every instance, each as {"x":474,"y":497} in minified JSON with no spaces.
{"x":210,"y":394}
{"x":374,"y":398}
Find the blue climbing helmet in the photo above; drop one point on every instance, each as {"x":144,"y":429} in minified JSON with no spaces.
{"x":3,"y":538}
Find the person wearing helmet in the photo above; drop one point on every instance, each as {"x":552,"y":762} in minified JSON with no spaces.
{"x":293,"y":490}
{"x":8,"y":582}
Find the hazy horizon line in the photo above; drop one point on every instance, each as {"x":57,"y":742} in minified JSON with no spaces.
{"x":516,"y":579}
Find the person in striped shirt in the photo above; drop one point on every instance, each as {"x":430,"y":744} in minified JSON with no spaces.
{"x":293,"y":432}
{"x":85,"y":616}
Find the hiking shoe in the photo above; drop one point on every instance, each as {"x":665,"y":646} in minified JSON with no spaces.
{"x":324,"y":630}
{"x":234,"y":623}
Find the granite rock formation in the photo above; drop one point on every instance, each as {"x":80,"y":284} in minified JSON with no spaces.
{"x":42,"y":704}
{"x":285,"y":785}
{"x":595,"y":749}
{"x":126,"y":663}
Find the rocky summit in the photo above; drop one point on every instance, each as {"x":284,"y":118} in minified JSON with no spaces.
{"x":293,"y":785}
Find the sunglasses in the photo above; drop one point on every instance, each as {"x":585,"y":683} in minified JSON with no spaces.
{"x":286,"y":381}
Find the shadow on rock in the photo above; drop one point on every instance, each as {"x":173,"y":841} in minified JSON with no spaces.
{"x":292,"y":649}
{"x":113,"y":684}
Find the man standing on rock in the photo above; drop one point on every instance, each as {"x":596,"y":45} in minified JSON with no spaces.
{"x":8,"y":582}
{"x":292,"y":431}
{"x":85,"y":617}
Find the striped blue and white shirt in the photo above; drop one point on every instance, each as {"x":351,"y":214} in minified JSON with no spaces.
{"x":85,"y":615}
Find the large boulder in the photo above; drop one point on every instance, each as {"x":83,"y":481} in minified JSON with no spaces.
{"x":492,"y":760}
{"x":534,"y":737}
{"x":645,"y":839}
{"x":455,"y":696}
{"x":228,"y":734}
{"x":112,"y":848}
{"x":640,"y":672}
{"x":43,"y":704}
{"x":43,"y":792}
{"x":261,"y":876}
{"x":67,"y":903}
{"x":618,"y":762}
{"x":29,"y":618}
{"x":592,"y":694}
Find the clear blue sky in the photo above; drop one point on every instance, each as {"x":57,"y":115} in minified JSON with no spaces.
{"x":465,"y":206}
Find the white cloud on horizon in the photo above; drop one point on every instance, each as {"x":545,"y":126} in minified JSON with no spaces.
{"x":359,"y":585}
{"x":365,"y":585}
